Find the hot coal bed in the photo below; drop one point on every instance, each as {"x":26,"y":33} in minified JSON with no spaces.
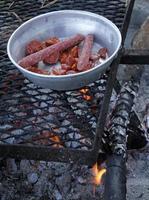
{"x":68,"y":127}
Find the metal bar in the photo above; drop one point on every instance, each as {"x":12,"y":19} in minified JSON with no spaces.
{"x":127,"y":18}
{"x":47,"y":154}
{"x":111,"y":82}
{"x":115,"y":186}
{"x":105,"y":105}
{"x":135,"y":56}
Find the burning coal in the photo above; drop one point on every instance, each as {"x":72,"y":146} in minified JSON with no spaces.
{"x":85,"y":94}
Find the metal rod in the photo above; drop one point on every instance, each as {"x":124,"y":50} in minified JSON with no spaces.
{"x":127,"y":18}
{"x":47,"y":154}
{"x":135,"y":56}
{"x":105,"y":105}
{"x":111,"y":82}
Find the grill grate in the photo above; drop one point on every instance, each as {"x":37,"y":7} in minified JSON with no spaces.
{"x":35,"y":116}
{"x":29,"y":113}
{"x":11,"y":18}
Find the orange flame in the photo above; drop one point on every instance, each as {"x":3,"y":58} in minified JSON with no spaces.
{"x":85,"y":94}
{"x":87,"y":97}
{"x":84,"y":90}
{"x":98,"y":173}
{"x":45,"y":135}
{"x":56,"y":139}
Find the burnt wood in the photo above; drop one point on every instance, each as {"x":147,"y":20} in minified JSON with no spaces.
{"x":115,"y":185}
{"x":118,"y":140}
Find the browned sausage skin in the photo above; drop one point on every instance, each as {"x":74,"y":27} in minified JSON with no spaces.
{"x":42,"y":54}
{"x":85,"y":54}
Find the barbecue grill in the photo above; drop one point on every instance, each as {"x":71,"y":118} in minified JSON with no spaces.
{"x":41,"y":124}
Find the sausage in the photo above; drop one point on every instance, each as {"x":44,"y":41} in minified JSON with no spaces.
{"x":52,"y":58}
{"x":33,"y":46}
{"x":103,"y":53}
{"x":88,"y":66}
{"x":42,"y":54}
{"x":74,"y":52}
{"x":85,"y":53}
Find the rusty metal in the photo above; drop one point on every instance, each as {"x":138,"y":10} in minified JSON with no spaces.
{"x":25,"y":109}
{"x":27,"y":118}
{"x":126,"y":21}
{"x":104,"y":109}
{"x":135,"y":56}
{"x":111,"y":81}
{"x":47,"y":154}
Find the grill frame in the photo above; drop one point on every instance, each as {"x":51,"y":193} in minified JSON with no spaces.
{"x":46,"y":153}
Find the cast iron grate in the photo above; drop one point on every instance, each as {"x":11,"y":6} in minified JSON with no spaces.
{"x":35,"y":116}
{"x":21,"y":11}
{"x":29,"y":114}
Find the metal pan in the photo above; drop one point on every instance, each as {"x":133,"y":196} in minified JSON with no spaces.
{"x":64,"y":24}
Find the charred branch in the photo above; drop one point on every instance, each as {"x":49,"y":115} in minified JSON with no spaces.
{"x":115,"y":185}
{"x":117,"y":131}
{"x":137,"y":136}
{"x":147,"y":118}
{"x":115,"y":182}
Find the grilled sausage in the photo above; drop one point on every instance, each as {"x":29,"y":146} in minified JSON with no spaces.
{"x":85,"y":54}
{"x":42,"y":54}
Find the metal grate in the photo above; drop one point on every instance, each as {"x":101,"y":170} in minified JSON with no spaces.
{"x":12,"y":17}
{"x":30,"y":115}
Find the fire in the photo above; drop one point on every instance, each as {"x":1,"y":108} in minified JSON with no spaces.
{"x":47,"y":136}
{"x":84,"y":90}
{"x":87,"y":97}
{"x":98,"y":173}
{"x":85,"y":94}
{"x":56,"y":139}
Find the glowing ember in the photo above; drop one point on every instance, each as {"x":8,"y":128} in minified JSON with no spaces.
{"x":98,"y":173}
{"x":87,"y":97}
{"x":85,"y":94}
{"x":84,"y":90}
{"x":47,"y":136}
{"x":55,"y":139}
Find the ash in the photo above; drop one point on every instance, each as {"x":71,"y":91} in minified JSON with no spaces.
{"x":29,"y":180}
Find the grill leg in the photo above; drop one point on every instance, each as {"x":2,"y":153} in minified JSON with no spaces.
{"x":115,"y":181}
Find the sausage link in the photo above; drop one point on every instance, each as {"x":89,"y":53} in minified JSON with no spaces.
{"x":42,"y":54}
{"x":85,"y":54}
